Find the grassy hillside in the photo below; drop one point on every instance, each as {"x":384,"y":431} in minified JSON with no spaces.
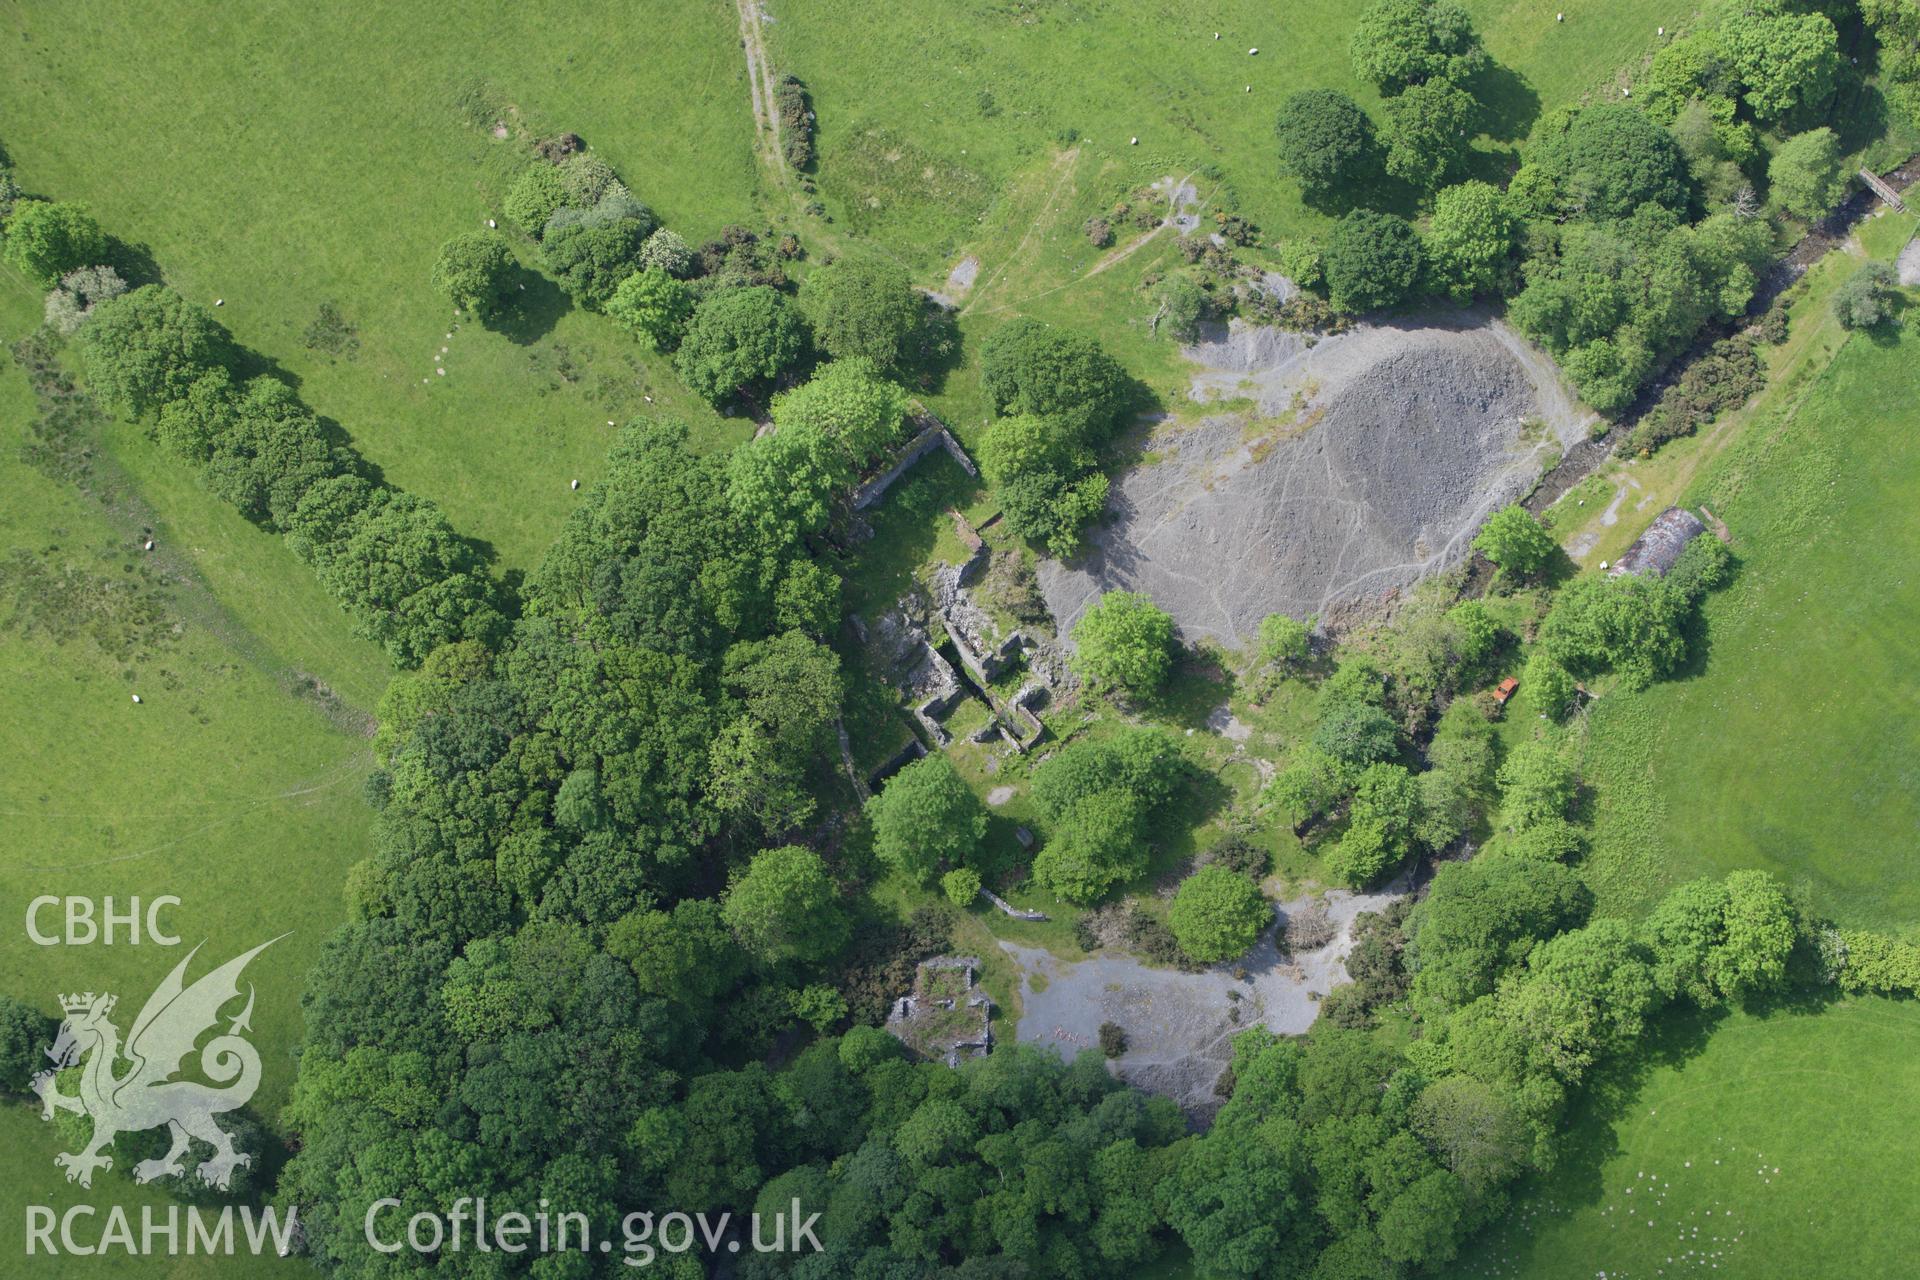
{"x":1696,"y":1167}
{"x":928,"y":113}
{"x":1790,"y":747}
{"x":281,"y":156}
{"x":233,"y":785}
{"x":997,"y":130}
{"x":306,"y":157}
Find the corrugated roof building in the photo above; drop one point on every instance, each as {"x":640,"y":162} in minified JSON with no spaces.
{"x":1658,"y":549}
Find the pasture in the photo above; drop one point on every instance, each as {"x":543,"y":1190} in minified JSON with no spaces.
{"x":282,"y":157}
{"x":997,"y":130}
{"x":233,"y":785}
{"x":1789,"y":745}
{"x":1757,"y":1146}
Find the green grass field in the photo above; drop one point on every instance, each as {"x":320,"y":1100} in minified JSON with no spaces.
{"x":1763,"y":1146}
{"x":280,"y":156}
{"x":996,"y":130}
{"x":1791,"y":746}
{"x":230,"y":786}
{"x":931,"y":115}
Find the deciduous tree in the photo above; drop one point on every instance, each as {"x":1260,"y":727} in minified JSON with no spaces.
{"x":926,"y":819}
{"x":1125,"y":640}
{"x":1217,"y":915}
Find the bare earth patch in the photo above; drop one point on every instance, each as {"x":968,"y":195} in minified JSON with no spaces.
{"x":1909,"y":266}
{"x":1180,"y":1026}
{"x":1367,"y":461}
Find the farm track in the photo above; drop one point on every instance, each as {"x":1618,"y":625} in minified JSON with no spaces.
{"x":766,"y":115}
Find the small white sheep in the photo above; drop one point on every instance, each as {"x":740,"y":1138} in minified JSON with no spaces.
{"x":576,"y":484}
{"x":136,"y":699}
{"x":148,"y":545}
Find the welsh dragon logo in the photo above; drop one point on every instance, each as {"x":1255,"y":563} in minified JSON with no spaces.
{"x":146,"y":1095}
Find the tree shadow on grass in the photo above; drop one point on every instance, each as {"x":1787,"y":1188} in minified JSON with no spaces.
{"x":541,"y":304}
{"x":1492,"y":165}
{"x":1370,"y":186}
{"x":135,"y":263}
{"x":1508,"y":102}
{"x":932,"y":350}
{"x":1588,"y":1136}
{"x":1199,"y":684}
{"x":1891,"y":329}
{"x":1859,"y":115}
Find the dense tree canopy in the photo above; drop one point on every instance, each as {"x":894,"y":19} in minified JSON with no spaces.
{"x":475,"y":269}
{"x":534,"y":197}
{"x":1633,"y":624}
{"x":46,"y":239}
{"x":1027,"y":367}
{"x":1470,"y":241}
{"x":25,"y":1035}
{"x":590,"y":259}
{"x":1807,"y":175}
{"x":147,"y":347}
{"x":849,"y":404}
{"x":1375,"y":261}
{"x":862,"y":308}
{"x":1618,"y":300}
{"x":1048,"y":480}
{"x":785,"y":907}
{"x":1867,"y":296}
{"x":1606,"y":161}
{"x":740,"y":338}
{"x":1217,"y":914}
{"x":1103,"y":796}
{"x":1427,"y":132}
{"x":1399,"y":44}
{"x":926,"y":820}
{"x":1515,"y":541}
{"x":653,"y":306}
{"x":1787,"y":61}
{"x":1326,"y":140}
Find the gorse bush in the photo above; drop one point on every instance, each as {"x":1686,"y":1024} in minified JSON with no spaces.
{"x":796,"y":121}
{"x":1726,"y":377}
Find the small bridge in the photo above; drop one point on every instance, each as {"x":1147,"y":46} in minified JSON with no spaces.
{"x":1877,"y":185}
